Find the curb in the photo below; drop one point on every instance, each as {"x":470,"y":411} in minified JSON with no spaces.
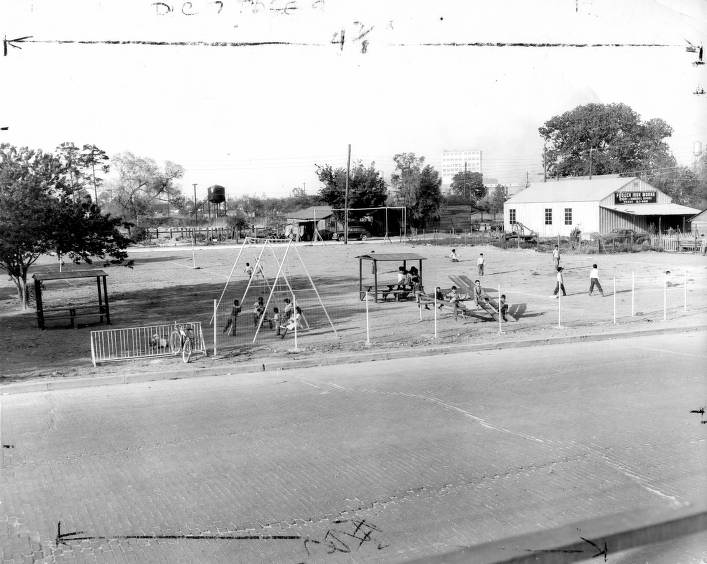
{"x":348,"y":358}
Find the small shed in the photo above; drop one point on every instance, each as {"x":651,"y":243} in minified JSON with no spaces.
{"x":375,"y":258}
{"x":71,"y":313}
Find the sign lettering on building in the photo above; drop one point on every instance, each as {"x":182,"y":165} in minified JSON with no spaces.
{"x":636,"y":197}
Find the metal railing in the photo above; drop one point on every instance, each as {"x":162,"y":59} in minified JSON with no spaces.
{"x":144,"y":342}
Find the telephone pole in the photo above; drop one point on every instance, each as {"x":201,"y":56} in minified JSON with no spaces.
{"x":193,"y":243}
{"x":346,"y":199}
{"x":544,"y":163}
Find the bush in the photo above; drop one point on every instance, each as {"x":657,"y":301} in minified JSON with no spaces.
{"x":138,"y":234}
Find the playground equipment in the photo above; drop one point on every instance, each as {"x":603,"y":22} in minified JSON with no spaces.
{"x":521,"y":232}
{"x":259,"y":300}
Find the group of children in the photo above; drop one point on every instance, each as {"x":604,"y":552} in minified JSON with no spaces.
{"x":282,"y":322}
{"x":480,"y":261}
{"x":560,"y":281}
{"x":453,"y":297}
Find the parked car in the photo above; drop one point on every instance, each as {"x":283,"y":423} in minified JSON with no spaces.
{"x":626,"y":235}
{"x":355,"y":232}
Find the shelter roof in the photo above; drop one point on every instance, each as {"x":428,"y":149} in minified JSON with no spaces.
{"x":700,"y":215}
{"x":572,"y":189}
{"x":653,"y":209}
{"x":397,"y":257}
{"x":66,"y":275}
{"x":311,"y":213}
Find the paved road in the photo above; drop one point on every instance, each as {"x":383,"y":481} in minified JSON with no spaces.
{"x":434,"y":453}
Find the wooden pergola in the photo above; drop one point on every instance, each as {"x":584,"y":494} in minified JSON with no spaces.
{"x":72,"y":312}
{"x":375,"y":258}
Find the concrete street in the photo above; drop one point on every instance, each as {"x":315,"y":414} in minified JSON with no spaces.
{"x":432,"y":453}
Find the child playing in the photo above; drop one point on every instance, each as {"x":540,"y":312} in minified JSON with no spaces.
{"x":480,"y":264}
{"x":258,"y":311}
{"x":230,"y":328}
{"x":478,"y":292}
{"x":503,"y":307}
{"x":293,"y":322}
{"x":276,"y":319}
{"x":454,"y":256}
{"x":594,"y":280}
{"x":560,"y":284}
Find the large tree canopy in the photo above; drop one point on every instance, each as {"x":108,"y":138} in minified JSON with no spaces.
{"x":367,"y":188}
{"x":142,"y":185}
{"x":604,"y":139}
{"x":469,"y":186}
{"x":42,"y":209}
{"x":417,"y":187}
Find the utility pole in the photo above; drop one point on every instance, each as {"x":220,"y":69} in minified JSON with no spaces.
{"x":544,"y":163}
{"x":193,"y":246}
{"x":346,"y":199}
{"x":590,"y":162}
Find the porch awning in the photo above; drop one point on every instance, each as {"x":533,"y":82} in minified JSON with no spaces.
{"x":654,"y":209}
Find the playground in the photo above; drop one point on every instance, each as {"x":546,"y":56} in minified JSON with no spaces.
{"x":323,"y":280}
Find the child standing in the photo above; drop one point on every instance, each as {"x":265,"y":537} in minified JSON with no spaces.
{"x":560,"y":284}
{"x":276,"y":319}
{"x":556,"y":256}
{"x":478,"y":291}
{"x":233,"y":318}
{"x":480,"y":264}
{"x":503,"y":307}
{"x":594,"y":280}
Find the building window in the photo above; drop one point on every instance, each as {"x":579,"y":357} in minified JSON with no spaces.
{"x":548,"y":216}
{"x":568,"y":216}
{"x":512,"y":216}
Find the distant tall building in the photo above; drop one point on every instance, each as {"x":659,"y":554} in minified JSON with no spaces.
{"x":454,"y":161}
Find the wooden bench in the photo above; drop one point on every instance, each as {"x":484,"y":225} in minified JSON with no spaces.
{"x":389,"y":290}
{"x":73,"y":313}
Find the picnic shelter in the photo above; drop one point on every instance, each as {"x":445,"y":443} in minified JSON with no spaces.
{"x":71,"y":313}
{"x":376,"y":258}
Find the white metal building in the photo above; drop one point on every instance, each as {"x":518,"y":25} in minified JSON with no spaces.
{"x":594,"y":205}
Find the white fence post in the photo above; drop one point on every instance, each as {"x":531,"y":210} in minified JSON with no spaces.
{"x":215,"y":325}
{"x":559,"y":308}
{"x":294,"y":316}
{"x":665,"y":297}
{"x":500,"y":327}
{"x":614,"y":300}
{"x":685,"y":289}
{"x":435,"y":312}
{"x":368,"y":331}
{"x":633,"y":290}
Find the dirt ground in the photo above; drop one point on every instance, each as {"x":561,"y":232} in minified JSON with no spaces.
{"x":162,"y":287}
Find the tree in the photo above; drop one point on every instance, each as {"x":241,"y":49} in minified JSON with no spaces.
{"x":468,"y":185}
{"x":681,"y":184}
{"x":425,"y":208}
{"x":417,"y":187}
{"x":142,"y":185}
{"x":405,"y":181}
{"x":498,"y":198}
{"x":367,"y":188}
{"x":604,"y":139}
{"x":40,"y":210}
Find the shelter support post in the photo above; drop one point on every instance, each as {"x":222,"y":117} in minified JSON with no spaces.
{"x":375,"y":278}
{"x":105,"y":296}
{"x":38,"y":300}
{"x":100,"y":298}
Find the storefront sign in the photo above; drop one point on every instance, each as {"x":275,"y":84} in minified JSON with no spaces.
{"x":638,"y":197}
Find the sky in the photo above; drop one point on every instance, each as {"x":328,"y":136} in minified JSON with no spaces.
{"x":257,"y":119}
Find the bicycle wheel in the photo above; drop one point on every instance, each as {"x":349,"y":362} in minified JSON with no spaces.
{"x":186,"y":350}
{"x":175,"y":342}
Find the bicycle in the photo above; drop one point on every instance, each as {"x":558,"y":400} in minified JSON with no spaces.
{"x":181,"y":339}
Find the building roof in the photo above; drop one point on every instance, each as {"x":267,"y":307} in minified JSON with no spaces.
{"x":311,"y":213}
{"x":396,"y":257}
{"x":653,"y":209}
{"x":571,"y":189}
{"x":701,"y":215}
{"x":66,"y":275}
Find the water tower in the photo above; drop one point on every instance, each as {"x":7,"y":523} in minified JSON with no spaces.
{"x":696,"y":152}
{"x":216,"y":196}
